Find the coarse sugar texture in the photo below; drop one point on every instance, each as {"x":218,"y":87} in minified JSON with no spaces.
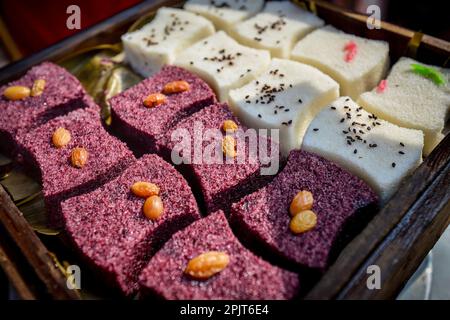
{"x":246,"y":277}
{"x":286,"y":97}
{"x":142,"y":126}
{"x":377,"y":151}
{"x":221,"y":178}
{"x":224,"y":63}
{"x":61,"y":94}
{"x":264,"y":218}
{"x":356,"y":63}
{"x":108,"y":226}
{"x":224,"y":13}
{"x":107,"y":157}
{"x":159,"y":42}
{"x":277,"y":28}
{"x":412,"y":100}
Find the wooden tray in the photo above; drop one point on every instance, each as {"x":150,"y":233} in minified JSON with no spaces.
{"x":396,"y":240}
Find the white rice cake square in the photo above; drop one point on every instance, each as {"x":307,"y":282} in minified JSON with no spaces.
{"x":225,"y":13}
{"x":377,"y":151}
{"x":358,"y":64}
{"x":413,"y":101}
{"x":277,"y":28}
{"x":223,"y":63}
{"x":286,"y":97}
{"x":158,"y":42}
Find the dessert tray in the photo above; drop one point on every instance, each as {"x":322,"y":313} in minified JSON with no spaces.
{"x":324,"y":161}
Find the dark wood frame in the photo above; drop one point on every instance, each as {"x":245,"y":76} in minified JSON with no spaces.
{"x":396,"y":240}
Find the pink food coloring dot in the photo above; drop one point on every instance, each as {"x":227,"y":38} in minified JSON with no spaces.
{"x":351,"y":49}
{"x":351,"y":45}
{"x":382,"y":86}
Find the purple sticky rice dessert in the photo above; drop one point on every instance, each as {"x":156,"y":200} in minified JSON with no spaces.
{"x":247,"y":277}
{"x":338,"y":197}
{"x":223,"y":183}
{"x":62,"y":93}
{"x":110,"y":230}
{"x":141,"y":126}
{"x":107,"y":157}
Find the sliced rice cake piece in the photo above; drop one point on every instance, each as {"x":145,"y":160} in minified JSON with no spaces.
{"x":160,"y":41}
{"x":277,"y":28}
{"x":263,"y":218}
{"x":225,"y":13}
{"x":220,"y":177}
{"x":61,"y":93}
{"x":224,"y":63}
{"x":245,"y":276}
{"x":413,"y":101}
{"x":110,"y":230}
{"x":286,"y":97}
{"x":358,"y":64}
{"x":142,"y":126}
{"x":377,"y":151}
{"x":49,"y":157}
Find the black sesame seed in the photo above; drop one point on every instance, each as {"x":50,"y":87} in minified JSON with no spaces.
{"x":401,"y":152}
{"x":342,"y":120}
{"x":355,"y":151}
{"x":333,"y":108}
{"x":393,"y":164}
{"x":402,"y":144}
{"x":315,"y":129}
{"x":259,"y":116}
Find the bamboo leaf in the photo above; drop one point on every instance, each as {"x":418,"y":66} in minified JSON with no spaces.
{"x":20,"y":186}
{"x":120,"y":79}
{"x":35,"y":213}
{"x":6,"y":166}
{"x":139,"y":23}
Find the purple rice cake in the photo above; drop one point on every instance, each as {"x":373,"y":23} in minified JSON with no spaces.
{"x":60,"y":93}
{"x":53,"y":160}
{"x":245,"y":276}
{"x":141,"y":125}
{"x":264,"y":216}
{"x":110,"y":230}
{"x":223,"y":178}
